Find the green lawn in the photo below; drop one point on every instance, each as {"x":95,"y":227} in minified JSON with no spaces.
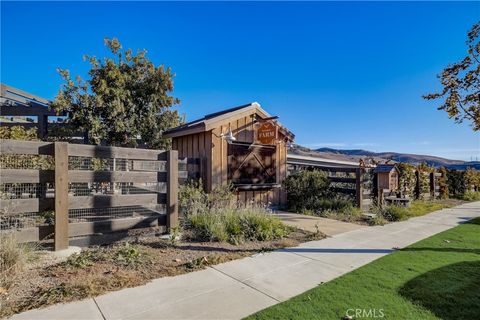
{"x":436,"y":278}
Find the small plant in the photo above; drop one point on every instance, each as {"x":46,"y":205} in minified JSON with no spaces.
{"x":395,"y":213}
{"x":377,"y":220}
{"x":80,"y":260}
{"x":174,"y":235}
{"x":471,"y":196}
{"x":48,"y":217}
{"x":128,"y":255}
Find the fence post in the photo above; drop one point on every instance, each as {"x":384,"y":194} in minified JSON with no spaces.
{"x":61,"y":196}
{"x":172,"y":189}
{"x":358,"y":187}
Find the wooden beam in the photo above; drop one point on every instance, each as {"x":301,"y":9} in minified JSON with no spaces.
{"x":358,"y":187}
{"x":28,"y":205}
{"x":172,"y":189}
{"x":8,"y":146}
{"x":107,"y":201}
{"x":80,"y":150}
{"x":26,"y":176}
{"x":75,"y":229}
{"x":342,"y":179}
{"x":116,"y":176}
{"x":61,"y":196}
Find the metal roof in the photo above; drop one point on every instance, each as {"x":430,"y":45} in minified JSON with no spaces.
{"x":384,"y":168}
{"x":212,"y":120}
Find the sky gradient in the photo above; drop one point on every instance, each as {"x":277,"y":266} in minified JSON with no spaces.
{"x":342,"y":75}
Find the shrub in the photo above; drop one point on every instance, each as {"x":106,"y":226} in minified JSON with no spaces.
{"x":471,"y":196}
{"x":192,"y":198}
{"x":378,"y":220}
{"x":249,"y":223}
{"x":336,"y":203}
{"x":305,"y":188}
{"x":348,"y":214}
{"x":395,"y":213}
{"x":222,"y":196}
{"x":217,"y":217}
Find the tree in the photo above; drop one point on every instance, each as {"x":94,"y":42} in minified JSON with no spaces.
{"x":461,"y":84}
{"x":126,"y":98}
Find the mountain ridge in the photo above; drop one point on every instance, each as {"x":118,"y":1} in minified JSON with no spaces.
{"x":357,"y":154}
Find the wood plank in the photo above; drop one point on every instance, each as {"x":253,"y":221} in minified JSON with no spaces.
{"x":106,"y":201}
{"x":216,"y":157}
{"x":208,"y":161}
{"x":81,"y":150}
{"x":76,"y":229}
{"x":358,"y":188}
{"x":250,"y":132}
{"x":185,"y":146}
{"x":342,"y":179}
{"x":8,"y":146}
{"x":26,"y":176}
{"x":116,"y":176}
{"x":172,"y":190}
{"x":241,"y":130}
{"x":28,"y":205}
{"x":344,"y":190}
{"x":61,"y":196}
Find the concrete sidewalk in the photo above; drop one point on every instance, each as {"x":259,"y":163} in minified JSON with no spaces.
{"x":310,"y":223}
{"x":238,"y":288}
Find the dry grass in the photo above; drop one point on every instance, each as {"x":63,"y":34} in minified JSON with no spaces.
{"x":98,"y":270}
{"x":14,"y":258}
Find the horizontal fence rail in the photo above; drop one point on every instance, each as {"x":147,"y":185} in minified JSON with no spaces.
{"x":68,"y":190}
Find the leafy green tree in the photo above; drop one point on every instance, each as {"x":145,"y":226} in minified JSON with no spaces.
{"x":18,"y":133}
{"x":126,"y":98}
{"x":461,"y":84}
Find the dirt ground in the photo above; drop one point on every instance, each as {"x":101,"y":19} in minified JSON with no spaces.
{"x":144,"y":257}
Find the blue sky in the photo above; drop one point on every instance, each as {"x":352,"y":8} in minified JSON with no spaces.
{"x":345,"y":75}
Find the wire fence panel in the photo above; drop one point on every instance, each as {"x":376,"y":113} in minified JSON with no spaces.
{"x":106,"y":183}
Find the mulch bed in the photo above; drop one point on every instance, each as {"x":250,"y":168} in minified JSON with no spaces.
{"x":144,"y":257}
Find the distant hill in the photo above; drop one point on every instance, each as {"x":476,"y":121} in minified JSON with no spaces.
{"x":357,"y":154}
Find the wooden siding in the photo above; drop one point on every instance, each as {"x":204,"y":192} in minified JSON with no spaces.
{"x":212,"y":151}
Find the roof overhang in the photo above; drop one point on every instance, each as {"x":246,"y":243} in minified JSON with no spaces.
{"x":215,"y":120}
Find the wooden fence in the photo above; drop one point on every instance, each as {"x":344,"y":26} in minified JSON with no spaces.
{"x":69,"y":190}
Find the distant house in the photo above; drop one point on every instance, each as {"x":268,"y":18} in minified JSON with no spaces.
{"x":387,"y":176}
{"x":20,"y":108}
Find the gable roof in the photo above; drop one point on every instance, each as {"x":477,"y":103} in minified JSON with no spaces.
{"x":381,"y":168}
{"x":213,"y":120}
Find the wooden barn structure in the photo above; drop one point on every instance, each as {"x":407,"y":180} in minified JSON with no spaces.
{"x":244,"y":146}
